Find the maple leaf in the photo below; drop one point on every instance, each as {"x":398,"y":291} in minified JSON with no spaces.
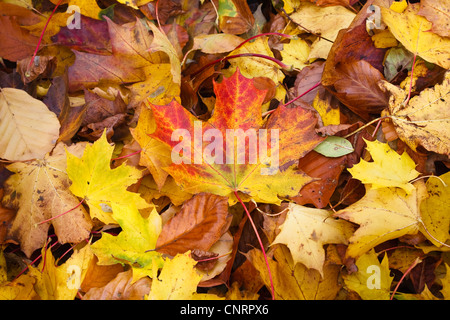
{"x":40,"y":191}
{"x":178,"y":280}
{"x":294,"y":281}
{"x":238,"y":107}
{"x":326,"y":21}
{"x":99,"y":185}
{"x":389,"y":169}
{"x":372,"y":281}
{"x":60,"y":282}
{"x":154,"y":155}
{"x":134,"y":244}
{"x":306,"y":230}
{"x":383,"y":214}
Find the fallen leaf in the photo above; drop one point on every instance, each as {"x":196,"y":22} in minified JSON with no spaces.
{"x":296,"y":53}
{"x":234,"y":16}
{"x":29,"y":129}
{"x":424,"y":120}
{"x":435,"y":208}
{"x":306,"y":230}
{"x":216,"y":43}
{"x":212,"y":174}
{"x":17,"y":42}
{"x":372,"y":281}
{"x":178,"y":280}
{"x":201,"y":221}
{"x":437,"y":12}
{"x":154,"y":154}
{"x":39,"y":190}
{"x":326,"y":21}
{"x":121,"y":287}
{"x":101,"y":187}
{"x":60,"y":282}
{"x":388,"y":169}
{"x":294,"y":281}
{"x":413,"y":32}
{"x":383,"y":214}
{"x":135,"y":244}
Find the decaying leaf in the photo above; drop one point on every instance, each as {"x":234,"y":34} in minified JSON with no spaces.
{"x":425,"y":119}
{"x":39,"y":190}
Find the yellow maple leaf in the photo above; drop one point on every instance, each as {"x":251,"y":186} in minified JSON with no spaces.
{"x":294,"y":281}
{"x":178,"y":280}
{"x":18,"y":289}
{"x":306,"y":230}
{"x":372,"y":281}
{"x":101,"y":187}
{"x":383,"y":214}
{"x":61,"y":282}
{"x":389,"y":169}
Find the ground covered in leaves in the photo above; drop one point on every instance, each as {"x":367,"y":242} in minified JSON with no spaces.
{"x":223,"y":149}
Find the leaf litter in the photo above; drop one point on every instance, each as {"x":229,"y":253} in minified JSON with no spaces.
{"x":176,"y":151}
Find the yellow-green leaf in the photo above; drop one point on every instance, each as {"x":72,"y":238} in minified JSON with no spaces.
{"x":101,"y":187}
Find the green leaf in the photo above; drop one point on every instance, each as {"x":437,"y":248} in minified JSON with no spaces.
{"x":334,"y":147}
{"x":133,"y":243}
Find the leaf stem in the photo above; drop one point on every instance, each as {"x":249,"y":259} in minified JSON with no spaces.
{"x":404,"y":275}
{"x":307,"y":91}
{"x":365,"y":126}
{"x":40,"y":39}
{"x":272,"y":289}
{"x":61,"y":214}
{"x":127,"y":155}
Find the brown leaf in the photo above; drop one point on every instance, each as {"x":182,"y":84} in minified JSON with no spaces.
{"x":17,"y":43}
{"x":121,"y":287}
{"x":200,"y":223}
{"x":355,"y":85}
